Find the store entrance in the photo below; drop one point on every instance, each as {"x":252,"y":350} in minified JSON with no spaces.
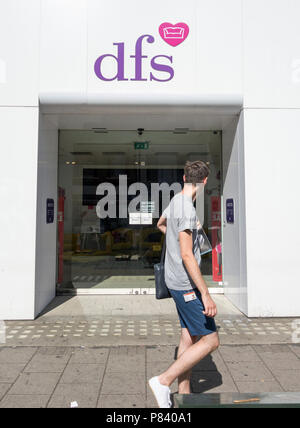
{"x":108,"y":206}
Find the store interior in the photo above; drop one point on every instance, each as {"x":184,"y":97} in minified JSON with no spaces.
{"x":116,"y":254}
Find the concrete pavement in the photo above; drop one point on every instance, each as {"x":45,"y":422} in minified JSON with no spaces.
{"x":100,"y":353}
{"x":116,"y":377}
{"x":98,"y":306}
{"x":131,"y":320}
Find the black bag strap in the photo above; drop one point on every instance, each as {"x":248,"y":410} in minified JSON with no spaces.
{"x":163,"y":252}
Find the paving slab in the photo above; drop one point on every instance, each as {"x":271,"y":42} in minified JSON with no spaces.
{"x":238,"y":353}
{"x":86,"y":395}
{"x":272,"y":348}
{"x":4,"y":387}
{"x":16,"y":354}
{"x":121,"y":401}
{"x":83,"y":373}
{"x":295,"y":349}
{"x":288,"y":379}
{"x":24,"y":401}
{"x":123,"y":383}
{"x":49,"y":360}
{"x":160,"y":353}
{"x":249,"y":370}
{"x":131,"y":357}
{"x":280,"y":361}
{"x":10,"y":371}
{"x":128,"y":351}
{"x":35,"y":384}
{"x":259,"y":386}
{"x":132,"y":364}
{"x":89,"y":356}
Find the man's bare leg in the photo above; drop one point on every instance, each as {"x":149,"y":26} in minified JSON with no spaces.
{"x":191,"y":356}
{"x":186,"y":340}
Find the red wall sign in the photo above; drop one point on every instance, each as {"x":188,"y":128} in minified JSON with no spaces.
{"x":60,"y":220}
{"x":216,"y":238}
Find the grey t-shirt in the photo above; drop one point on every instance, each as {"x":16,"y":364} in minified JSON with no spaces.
{"x":181,"y":215}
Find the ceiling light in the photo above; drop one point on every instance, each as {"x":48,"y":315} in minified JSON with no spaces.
{"x":100,"y":130}
{"x":180,"y":130}
{"x":81,"y":153}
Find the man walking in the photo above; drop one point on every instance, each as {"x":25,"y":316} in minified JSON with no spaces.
{"x":183,"y":277}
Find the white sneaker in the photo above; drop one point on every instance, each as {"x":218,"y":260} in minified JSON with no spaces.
{"x":161,"y":393}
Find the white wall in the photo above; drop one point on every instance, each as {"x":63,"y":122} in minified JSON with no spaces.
{"x":19,"y":58}
{"x":18,"y":183}
{"x":19,"y":52}
{"x":272,"y":154}
{"x":233,"y":255}
{"x":271,"y":54}
{"x":75,"y":33}
{"x":271,"y":63}
{"x":46,"y":234}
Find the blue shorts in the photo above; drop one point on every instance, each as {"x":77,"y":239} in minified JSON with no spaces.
{"x":191,"y":315}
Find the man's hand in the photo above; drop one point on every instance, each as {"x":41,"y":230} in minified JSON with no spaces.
{"x":162,"y":224}
{"x":209,"y":306}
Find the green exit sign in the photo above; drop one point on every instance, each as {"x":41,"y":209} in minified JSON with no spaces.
{"x":141,"y":145}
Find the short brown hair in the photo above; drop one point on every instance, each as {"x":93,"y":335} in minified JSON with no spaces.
{"x":195,"y":172}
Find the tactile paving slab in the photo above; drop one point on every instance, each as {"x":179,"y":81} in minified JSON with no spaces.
{"x":144,"y":330}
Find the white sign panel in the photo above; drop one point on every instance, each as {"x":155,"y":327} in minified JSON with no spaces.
{"x":146,"y":218}
{"x":134,"y":218}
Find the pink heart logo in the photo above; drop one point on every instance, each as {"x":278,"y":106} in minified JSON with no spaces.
{"x":173,"y":34}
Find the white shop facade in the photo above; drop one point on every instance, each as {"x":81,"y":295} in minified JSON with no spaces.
{"x":91,"y":93}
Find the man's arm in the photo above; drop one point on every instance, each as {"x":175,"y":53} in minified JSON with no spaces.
{"x":162,"y":224}
{"x":188,"y":258}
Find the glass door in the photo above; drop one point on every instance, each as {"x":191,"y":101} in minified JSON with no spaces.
{"x":109,"y":205}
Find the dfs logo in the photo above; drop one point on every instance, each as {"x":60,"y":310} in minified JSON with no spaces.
{"x":171,"y":34}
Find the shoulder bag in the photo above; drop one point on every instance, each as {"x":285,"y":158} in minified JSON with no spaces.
{"x":161,"y":289}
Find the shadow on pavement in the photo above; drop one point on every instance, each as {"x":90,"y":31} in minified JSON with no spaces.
{"x":205,"y":375}
{"x":55,"y":303}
